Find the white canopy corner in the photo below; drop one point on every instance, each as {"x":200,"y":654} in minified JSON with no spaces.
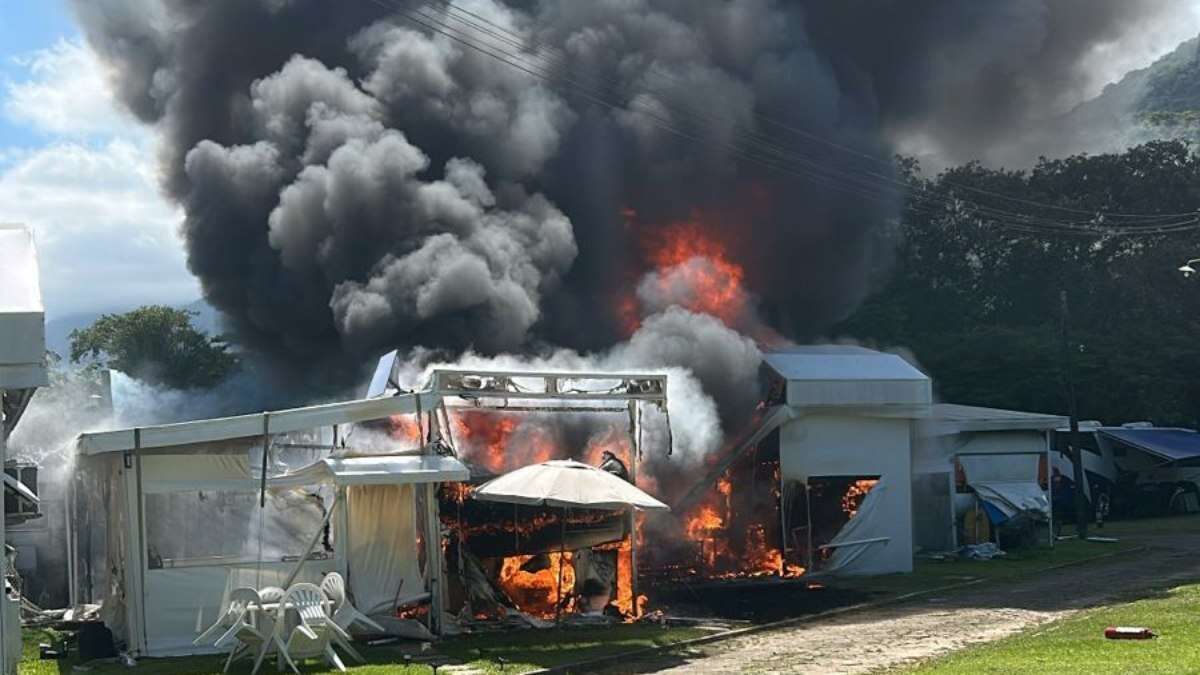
{"x":22,"y":316}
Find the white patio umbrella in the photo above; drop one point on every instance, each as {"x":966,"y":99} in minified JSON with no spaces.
{"x":566,"y":484}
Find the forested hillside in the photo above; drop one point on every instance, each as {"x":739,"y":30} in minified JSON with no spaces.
{"x":976,"y":297}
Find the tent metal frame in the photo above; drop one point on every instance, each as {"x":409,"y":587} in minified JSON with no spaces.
{"x":559,"y":391}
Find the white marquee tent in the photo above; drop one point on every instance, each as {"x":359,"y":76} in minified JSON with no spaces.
{"x":999,"y":455}
{"x":174,"y":511}
{"x":853,"y":411}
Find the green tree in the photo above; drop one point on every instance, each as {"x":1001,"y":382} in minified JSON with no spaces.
{"x":977,"y":300}
{"x":155,"y":344}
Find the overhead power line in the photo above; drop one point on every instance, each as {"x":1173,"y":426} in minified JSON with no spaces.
{"x":480,"y":34}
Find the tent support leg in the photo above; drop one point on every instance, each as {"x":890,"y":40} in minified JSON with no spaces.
{"x":635,"y":428}
{"x":433,"y":558}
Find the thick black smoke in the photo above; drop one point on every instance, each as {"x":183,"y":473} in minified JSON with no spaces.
{"x":965,"y":80}
{"x":354,"y":181}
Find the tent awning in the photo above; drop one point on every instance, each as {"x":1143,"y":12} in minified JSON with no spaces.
{"x":1171,"y":445}
{"x":376,"y":470}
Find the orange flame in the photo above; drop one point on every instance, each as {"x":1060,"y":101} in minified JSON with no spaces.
{"x":855,"y":494}
{"x":536,"y":593}
{"x":624,"y":599}
{"x":692,"y":270}
{"x":405,"y":428}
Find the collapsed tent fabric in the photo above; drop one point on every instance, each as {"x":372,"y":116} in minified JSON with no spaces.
{"x":863,"y":531}
{"x":566,"y":484}
{"x":1008,"y":483}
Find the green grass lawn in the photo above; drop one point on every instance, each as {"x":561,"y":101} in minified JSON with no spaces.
{"x":509,"y":652}
{"x":930,"y":574}
{"x":1077,"y":644}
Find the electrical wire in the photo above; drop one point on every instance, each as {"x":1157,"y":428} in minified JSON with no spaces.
{"x":762,"y":150}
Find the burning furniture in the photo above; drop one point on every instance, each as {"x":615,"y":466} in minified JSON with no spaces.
{"x":170,"y":518}
{"x":505,"y":559}
{"x":566,"y":485}
{"x":966,"y":455}
{"x":22,"y":371}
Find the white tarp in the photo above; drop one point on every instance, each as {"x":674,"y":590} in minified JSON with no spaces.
{"x":864,"y":532}
{"x":383,"y":552}
{"x":1008,"y":482}
{"x":1012,"y":498}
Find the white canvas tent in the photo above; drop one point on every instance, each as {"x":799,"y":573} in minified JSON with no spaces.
{"x":853,"y":411}
{"x":183,"y":522}
{"x":1000,"y":454}
{"x":22,"y":371}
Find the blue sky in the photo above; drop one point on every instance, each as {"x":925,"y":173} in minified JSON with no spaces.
{"x":25,"y":27}
{"x":81,"y":172}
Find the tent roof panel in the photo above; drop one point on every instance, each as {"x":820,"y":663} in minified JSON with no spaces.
{"x":827,"y":363}
{"x":276,"y":422}
{"x":950,"y":418}
{"x":1166,"y":443}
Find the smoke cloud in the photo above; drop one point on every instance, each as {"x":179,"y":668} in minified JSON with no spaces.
{"x":356,"y":181}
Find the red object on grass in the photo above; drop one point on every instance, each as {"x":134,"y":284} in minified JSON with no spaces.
{"x":1128,"y":633}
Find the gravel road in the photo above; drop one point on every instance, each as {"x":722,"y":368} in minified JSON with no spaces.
{"x":888,"y":637}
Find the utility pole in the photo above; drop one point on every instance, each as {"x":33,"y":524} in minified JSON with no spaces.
{"x":1081,"y":514}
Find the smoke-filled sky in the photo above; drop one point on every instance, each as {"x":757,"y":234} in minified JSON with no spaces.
{"x":344,"y":181}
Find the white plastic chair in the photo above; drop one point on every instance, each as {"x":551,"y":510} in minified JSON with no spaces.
{"x":235,"y":610}
{"x":314,"y":633}
{"x":245,"y":632}
{"x":344,"y":613}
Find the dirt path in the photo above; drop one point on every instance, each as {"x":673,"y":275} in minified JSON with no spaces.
{"x":884,"y":638}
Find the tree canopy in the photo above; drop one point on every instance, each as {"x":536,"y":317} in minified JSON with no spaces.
{"x":155,"y":344}
{"x":976,"y":298}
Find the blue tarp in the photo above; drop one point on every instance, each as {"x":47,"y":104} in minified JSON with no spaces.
{"x":1169,"y":444}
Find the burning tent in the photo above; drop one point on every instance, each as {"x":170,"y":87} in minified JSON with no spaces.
{"x":505,"y":560}
{"x":820,"y":481}
{"x":567,"y":485}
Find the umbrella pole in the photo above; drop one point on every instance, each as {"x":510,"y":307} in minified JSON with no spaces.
{"x":562,"y":557}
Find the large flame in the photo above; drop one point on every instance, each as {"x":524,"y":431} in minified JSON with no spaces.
{"x":691,"y":269}
{"x":537,"y":592}
{"x":499,"y":442}
{"x":624,"y":599}
{"x":711,"y":525}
